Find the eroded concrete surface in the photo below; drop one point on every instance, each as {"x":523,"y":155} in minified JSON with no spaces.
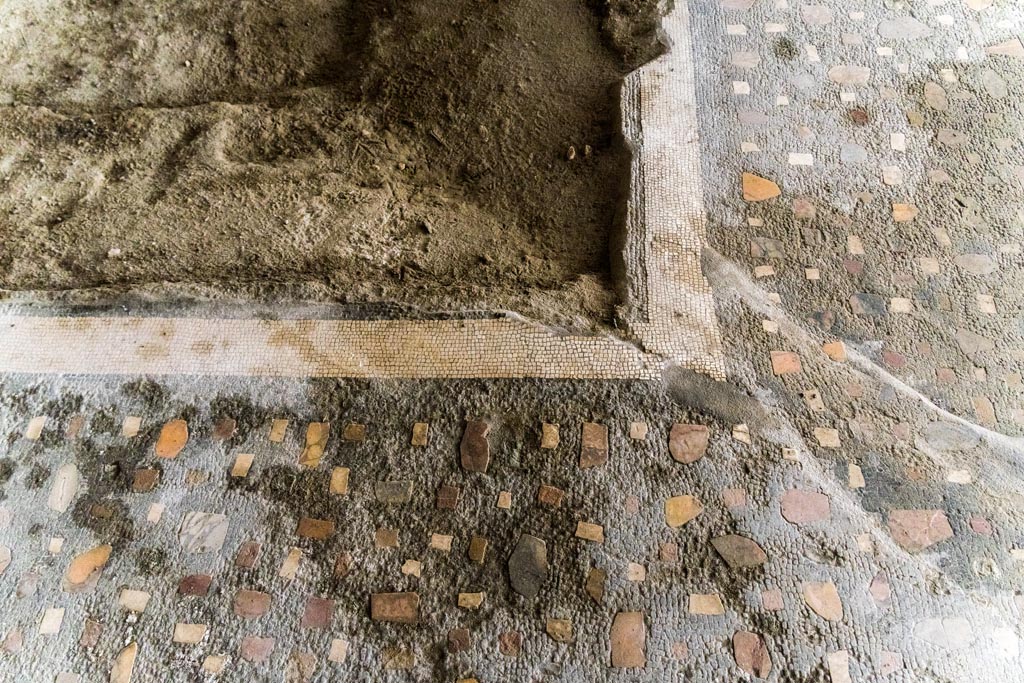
{"x":855,"y":516}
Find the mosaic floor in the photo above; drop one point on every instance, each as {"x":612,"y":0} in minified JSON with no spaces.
{"x":846,"y":506}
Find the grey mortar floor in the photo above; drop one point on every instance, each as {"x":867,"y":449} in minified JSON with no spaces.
{"x":928,"y":415}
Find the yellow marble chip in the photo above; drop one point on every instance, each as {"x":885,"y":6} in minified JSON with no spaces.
{"x":471,"y":600}
{"x":188,"y":634}
{"x":243,"y":462}
{"x":339,"y":481}
{"x":708,"y":604}
{"x":590,"y":532}
{"x":316,"y":441}
{"x":278,"y":428}
{"x":681,"y":509}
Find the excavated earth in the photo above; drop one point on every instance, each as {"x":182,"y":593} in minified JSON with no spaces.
{"x":445,"y":156}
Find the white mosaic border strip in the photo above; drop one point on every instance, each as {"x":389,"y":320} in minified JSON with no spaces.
{"x":413,"y":349}
{"x":669,"y":307}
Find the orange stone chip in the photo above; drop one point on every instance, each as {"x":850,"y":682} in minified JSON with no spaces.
{"x":83,"y":566}
{"x":785,"y":362}
{"x":835,"y":350}
{"x":758,"y":189}
{"x":173,"y":437}
{"x":904,"y":213}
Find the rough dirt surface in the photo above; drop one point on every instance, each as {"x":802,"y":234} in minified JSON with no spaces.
{"x":392,"y":150}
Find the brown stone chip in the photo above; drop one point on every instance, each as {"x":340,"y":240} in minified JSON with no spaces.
{"x":393,"y":492}
{"x":354,"y":432}
{"x":880,"y":590}
{"x":804,"y":507}
{"x":687,"y":443}
{"x":75,"y":425}
{"x":318,"y":529}
{"x":916,"y":530}
{"x":256,"y":649}
{"x":459,"y":640}
{"x":739,"y":552}
{"x":595,"y":585}
{"x":145,"y":480}
{"x":251,"y":604}
{"x":247,"y":555}
{"x":751,"y":653}
{"x":386,"y":538}
{"x":102,"y":511}
{"x":447,"y":497}
{"x":824,"y":599}
{"x":669,"y":552}
{"x":594,"y":447}
{"x":195,"y":584}
{"x":835,"y":350}
{"x":91,"y":633}
{"x":681,"y":509}
{"x":318,"y":613}
{"x":224,"y":429}
{"x":278,"y":428}
{"x":549,"y":495}
{"x":339,"y":481}
{"x":13,"y":641}
{"x":528,"y":566}
{"x":342,"y":564}
{"x":242,"y":465}
{"x":510,"y":643}
{"x":173,"y":437}
{"x":904,"y":213}
{"x":475,"y":451}
{"x":470,"y":600}
{"x":629,"y":641}
{"x":398,"y":658}
{"x":477,"y":549}
{"x":589,"y":531}
{"x":401,"y":608}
